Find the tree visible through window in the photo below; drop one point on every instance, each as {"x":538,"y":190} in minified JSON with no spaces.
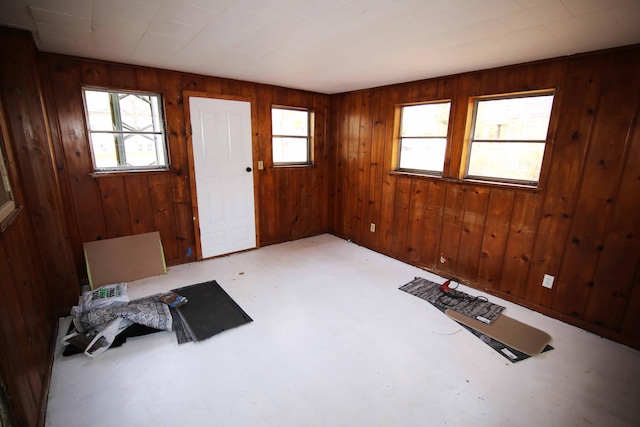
{"x":291,"y":132}
{"x":508,"y":138}
{"x":126,"y":130}
{"x":423,"y":137}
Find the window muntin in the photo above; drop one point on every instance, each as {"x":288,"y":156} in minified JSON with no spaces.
{"x":7,"y":203}
{"x":508,"y":138}
{"x":291,"y":136}
{"x":423,"y":137}
{"x":126,"y":130}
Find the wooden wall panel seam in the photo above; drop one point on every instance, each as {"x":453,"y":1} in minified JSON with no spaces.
{"x":540,"y":224}
{"x":608,"y":224}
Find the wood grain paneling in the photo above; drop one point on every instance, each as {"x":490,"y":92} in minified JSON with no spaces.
{"x":499,"y":211}
{"x":291,"y":202}
{"x":619,"y":258}
{"x":388,"y":183}
{"x":473,"y":223}
{"x":22,"y":373}
{"x":375,"y":166}
{"x":581,"y":92}
{"x":65,"y":75}
{"x":519,"y":245}
{"x":401,"y":205}
{"x":163,"y":210}
{"x":184,"y":239}
{"x":37,"y":272}
{"x":430,"y":250}
{"x":580,"y":225}
{"x":417,"y":213}
{"x":29,"y":132}
{"x":452,"y":227}
{"x":139,"y":201}
{"x":631,"y":322}
{"x":95,"y":74}
{"x":600,"y":181}
{"x":117,"y":221}
{"x":356,"y":114}
{"x":341,"y":149}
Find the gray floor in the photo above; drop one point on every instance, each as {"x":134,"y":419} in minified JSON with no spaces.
{"x":335,"y":343}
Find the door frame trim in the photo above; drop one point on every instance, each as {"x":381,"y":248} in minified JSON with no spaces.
{"x":186,"y":95}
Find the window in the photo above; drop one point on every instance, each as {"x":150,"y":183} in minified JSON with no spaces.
{"x":291,"y":136}
{"x":7,"y":204}
{"x":126,"y":130}
{"x":508,"y":138}
{"x":423,"y":137}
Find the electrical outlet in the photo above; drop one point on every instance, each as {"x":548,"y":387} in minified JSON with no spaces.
{"x":260,"y":165}
{"x":372,"y":228}
{"x":547,"y":281}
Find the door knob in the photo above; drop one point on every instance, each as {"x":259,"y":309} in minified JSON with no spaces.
{"x":248,"y":169}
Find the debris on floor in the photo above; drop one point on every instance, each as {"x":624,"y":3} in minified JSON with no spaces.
{"x":514,"y":340}
{"x":172,"y":299}
{"x":104,"y":313}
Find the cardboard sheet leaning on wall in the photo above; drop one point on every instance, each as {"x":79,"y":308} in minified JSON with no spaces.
{"x":124,"y":259}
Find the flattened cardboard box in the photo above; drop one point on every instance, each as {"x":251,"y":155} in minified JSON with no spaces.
{"x":123,"y":259}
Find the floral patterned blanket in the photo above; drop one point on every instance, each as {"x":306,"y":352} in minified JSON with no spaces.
{"x":146,"y":311}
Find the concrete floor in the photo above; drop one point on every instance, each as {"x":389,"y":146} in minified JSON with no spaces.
{"x":335,"y":343}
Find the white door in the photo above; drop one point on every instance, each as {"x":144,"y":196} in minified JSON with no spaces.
{"x":222,"y":160}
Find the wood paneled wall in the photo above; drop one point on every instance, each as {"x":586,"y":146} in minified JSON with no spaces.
{"x":41,"y":259}
{"x":582,"y":226}
{"x":37,"y":273}
{"x":291,"y":201}
{"x":27,"y":324}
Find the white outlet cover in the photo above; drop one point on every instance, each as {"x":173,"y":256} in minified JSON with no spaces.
{"x":547,"y":281}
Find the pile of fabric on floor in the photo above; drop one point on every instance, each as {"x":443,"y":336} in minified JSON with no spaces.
{"x":103,"y":313}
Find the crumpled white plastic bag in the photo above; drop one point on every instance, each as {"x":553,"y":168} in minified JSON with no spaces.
{"x":104,"y":296}
{"x":105,"y":336}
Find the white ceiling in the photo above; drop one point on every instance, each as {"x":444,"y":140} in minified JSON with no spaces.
{"x":327,"y":46}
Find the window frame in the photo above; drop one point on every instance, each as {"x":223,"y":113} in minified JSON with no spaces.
{"x":118,"y":134}
{"x":470,"y":140}
{"x":8,"y":207}
{"x":309,"y":137}
{"x":400,"y":115}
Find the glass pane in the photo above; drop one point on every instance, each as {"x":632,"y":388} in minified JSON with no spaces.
{"x":4,"y":183}
{"x":512,"y":119}
{"x":103,"y":146}
{"x":139,"y":113}
{"x":99,"y":110}
{"x":4,"y":194}
{"x":425,"y":120}
{"x":290,"y":122}
{"x":423,"y":154}
{"x":141,"y":150}
{"x":290,"y":150}
{"x":510,"y":160}
{"x":161,"y":150}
